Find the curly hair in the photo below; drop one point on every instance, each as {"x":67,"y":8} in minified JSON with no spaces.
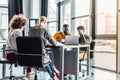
{"x":18,"y":21}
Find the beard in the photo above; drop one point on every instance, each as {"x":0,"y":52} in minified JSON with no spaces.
{"x":66,"y":33}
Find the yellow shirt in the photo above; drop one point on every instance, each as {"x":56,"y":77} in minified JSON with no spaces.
{"x":59,"y":36}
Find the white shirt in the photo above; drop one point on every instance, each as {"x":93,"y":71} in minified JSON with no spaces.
{"x":11,"y":42}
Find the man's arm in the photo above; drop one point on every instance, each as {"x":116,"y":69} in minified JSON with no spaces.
{"x":87,"y":39}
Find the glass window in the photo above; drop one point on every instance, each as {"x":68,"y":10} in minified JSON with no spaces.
{"x":3,"y":27}
{"x":82,"y":11}
{"x":106,"y":17}
{"x":3,"y":10}
{"x":66,"y":14}
{"x":105,"y":23}
{"x":3,"y":19}
{"x":82,"y":7}
{"x":3,"y":14}
{"x":105,"y":50}
{"x":52,"y":10}
{"x":106,"y":45}
{"x":3,"y":2}
{"x":52,"y":28}
{"x":52,"y":16}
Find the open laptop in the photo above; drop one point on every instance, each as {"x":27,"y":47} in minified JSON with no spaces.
{"x":71,"y":40}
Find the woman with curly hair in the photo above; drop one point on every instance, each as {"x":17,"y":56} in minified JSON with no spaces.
{"x":16,"y":26}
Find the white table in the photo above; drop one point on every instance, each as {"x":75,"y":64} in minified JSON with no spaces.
{"x":62,"y":58}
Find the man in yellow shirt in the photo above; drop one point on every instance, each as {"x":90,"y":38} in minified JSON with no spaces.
{"x":60,"y":35}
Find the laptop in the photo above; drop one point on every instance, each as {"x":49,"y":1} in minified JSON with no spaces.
{"x":71,"y":40}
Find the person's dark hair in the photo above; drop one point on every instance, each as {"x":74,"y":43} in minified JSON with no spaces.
{"x":18,"y":21}
{"x":80,"y":27}
{"x":65,"y":25}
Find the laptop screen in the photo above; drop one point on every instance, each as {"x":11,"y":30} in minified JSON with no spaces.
{"x":71,"y":40}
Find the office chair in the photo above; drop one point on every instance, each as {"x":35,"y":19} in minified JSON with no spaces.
{"x":29,"y":52}
{"x":92,"y":46}
{"x":5,"y":61}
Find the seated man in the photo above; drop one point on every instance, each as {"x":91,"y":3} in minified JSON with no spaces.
{"x":84,"y":39}
{"x":60,"y":36}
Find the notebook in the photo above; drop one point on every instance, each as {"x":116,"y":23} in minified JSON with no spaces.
{"x":71,"y":40}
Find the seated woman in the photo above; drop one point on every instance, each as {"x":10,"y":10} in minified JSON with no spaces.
{"x":16,"y":26}
{"x":40,"y":31}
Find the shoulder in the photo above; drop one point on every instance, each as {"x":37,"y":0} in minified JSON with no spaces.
{"x":33,"y":28}
{"x":87,"y":36}
{"x":15,"y":32}
{"x":69,"y":33}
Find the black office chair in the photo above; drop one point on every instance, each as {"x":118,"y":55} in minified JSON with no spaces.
{"x":92,"y":46}
{"x":5,"y":61}
{"x":29,"y":52}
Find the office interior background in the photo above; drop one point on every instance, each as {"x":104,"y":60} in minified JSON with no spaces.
{"x":101,"y":19}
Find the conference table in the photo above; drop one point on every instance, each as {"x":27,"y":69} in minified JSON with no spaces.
{"x":66,"y":59}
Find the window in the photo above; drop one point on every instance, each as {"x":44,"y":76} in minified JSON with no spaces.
{"x":106,"y":17}
{"x":105,"y":31}
{"x":82,"y":7}
{"x":65,"y":14}
{"x":3,"y":14}
{"x":3,"y":2}
{"x":105,"y":50}
{"x":52,"y":16}
{"x":81,"y":15}
{"x":3,"y":19}
{"x":52,"y":10}
{"x":52,"y":27}
{"x":3,"y":26}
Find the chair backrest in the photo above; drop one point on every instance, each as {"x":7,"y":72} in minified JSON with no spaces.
{"x":29,"y":51}
{"x":92,"y":47}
